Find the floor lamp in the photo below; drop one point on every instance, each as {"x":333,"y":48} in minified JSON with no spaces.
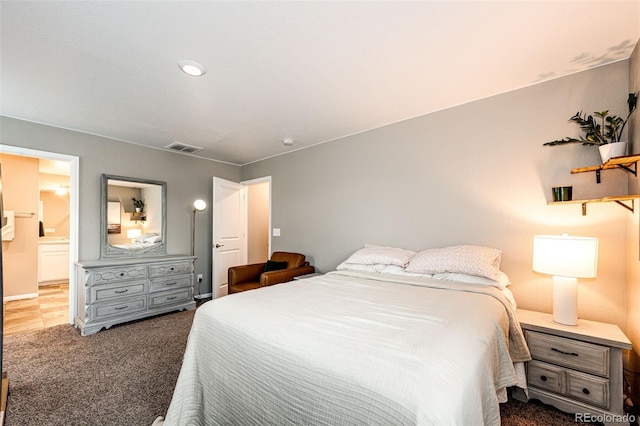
{"x":198,"y":206}
{"x":567,"y":258}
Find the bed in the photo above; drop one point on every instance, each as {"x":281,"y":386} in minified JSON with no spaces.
{"x":372,"y":344}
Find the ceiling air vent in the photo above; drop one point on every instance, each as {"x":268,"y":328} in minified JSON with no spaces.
{"x":183,"y":147}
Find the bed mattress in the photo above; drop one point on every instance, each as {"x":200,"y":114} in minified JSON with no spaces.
{"x":350,"y":348}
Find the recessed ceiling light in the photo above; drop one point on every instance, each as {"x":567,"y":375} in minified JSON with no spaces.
{"x":287,"y":142}
{"x":193,"y":68}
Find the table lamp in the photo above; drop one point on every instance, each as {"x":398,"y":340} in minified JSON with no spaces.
{"x":567,"y":258}
{"x":132,"y":234}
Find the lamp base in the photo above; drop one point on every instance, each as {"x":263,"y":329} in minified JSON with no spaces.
{"x":565,"y":300}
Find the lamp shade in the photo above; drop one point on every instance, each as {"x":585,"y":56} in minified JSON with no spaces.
{"x":200,"y":205}
{"x":565,"y":256}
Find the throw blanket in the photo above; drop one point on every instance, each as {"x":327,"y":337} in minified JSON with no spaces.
{"x":350,"y":348}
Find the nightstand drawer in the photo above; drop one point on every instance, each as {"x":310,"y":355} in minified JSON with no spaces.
{"x":594,"y":390}
{"x":574,"y":354}
{"x":545,"y":376}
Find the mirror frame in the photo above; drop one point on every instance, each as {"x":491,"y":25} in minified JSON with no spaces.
{"x":107,"y":251}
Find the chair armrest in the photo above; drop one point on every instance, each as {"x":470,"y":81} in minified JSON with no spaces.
{"x":284,"y":275}
{"x":244,"y":273}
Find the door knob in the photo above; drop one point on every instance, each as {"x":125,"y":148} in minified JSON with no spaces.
{"x":219,"y":245}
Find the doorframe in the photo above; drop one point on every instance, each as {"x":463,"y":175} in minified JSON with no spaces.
{"x":246,"y":200}
{"x":74,"y":177}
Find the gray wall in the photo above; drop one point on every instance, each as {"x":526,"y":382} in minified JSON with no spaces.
{"x":187,"y":177}
{"x":474,"y":174}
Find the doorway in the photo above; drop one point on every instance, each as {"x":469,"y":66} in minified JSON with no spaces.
{"x":71,"y":255}
{"x":258,"y":219}
{"x":242,"y":220}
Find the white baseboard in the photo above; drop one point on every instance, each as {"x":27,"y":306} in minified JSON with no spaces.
{"x":19,"y":297}
{"x":203,"y":296}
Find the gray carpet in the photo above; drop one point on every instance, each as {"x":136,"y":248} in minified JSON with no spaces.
{"x":126,"y":375}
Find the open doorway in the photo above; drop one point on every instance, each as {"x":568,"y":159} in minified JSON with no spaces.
{"x":241,"y":224}
{"x":41,"y":253}
{"x":258,"y":219}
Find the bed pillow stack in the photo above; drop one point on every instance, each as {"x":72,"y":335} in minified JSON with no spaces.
{"x":469,"y":264}
{"x":381,"y":259}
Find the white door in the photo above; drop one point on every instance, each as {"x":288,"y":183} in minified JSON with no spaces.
{"x":229,"y":239}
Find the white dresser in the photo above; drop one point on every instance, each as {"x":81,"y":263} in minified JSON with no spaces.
{"x":120,"y":290}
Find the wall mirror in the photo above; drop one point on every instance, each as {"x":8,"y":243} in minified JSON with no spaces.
{"x":133,"y":217}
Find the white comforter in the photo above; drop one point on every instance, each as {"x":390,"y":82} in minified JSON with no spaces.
{"x":350,"y":348}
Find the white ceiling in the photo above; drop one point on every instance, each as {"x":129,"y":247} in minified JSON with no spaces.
{"x":312,"y":71}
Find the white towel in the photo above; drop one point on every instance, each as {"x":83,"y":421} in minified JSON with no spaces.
{"x":9,"y":230}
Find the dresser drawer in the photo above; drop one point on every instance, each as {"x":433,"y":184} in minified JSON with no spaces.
{"x":545,"y":376}
{"x":101,"y":293}
{"x":590,"y":389}
{"x":169,"y":298}
{"x":574,"y":354}
{"x":168,"y":284}
{"x":125,"y":273}
{"x":165,"y":269}
{"x":120,"y":308}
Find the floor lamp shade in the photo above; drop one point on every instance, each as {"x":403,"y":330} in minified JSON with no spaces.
{"x":198,"y":206}
{"x":566,"y":258}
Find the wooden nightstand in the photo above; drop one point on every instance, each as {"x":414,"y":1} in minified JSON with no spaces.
{"x":577,"y":369}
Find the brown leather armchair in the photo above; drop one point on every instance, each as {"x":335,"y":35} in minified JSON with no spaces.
{"x":256,"y":275}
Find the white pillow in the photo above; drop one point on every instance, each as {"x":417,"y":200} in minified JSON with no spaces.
{"x":153,"y":239}
{"x":149,"y":237}
{"x":501,"y":283}
{"x":464,"y":259}
{"x":380,"y":268}
{"x":374,"y":255}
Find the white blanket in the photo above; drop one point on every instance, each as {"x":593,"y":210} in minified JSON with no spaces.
{"x":349,"y":348}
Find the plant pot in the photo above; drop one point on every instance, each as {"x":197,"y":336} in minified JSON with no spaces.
{"x":610,"y":150}
{"x":138,"y":209}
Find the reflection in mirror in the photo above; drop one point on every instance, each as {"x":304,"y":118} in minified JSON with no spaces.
{"x":133,"y":217}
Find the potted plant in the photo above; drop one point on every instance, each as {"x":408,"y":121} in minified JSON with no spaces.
{"x":603,"y":131}
{"x":138,"y":204}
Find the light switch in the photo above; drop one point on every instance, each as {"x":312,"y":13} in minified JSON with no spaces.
{"x":276,"y":232}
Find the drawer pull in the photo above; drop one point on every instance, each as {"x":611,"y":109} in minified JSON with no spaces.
{"x":121,"y":291}
{"x":585,"y":391}
{"x":171,"y":298}
{"x":173,"y":283}
{"x":565,"y":353}
{"x":543,"y":378}
{"x":119,"y":308}
{"x":121,"y":274}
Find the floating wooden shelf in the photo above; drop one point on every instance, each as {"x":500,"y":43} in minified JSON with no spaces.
{"x":628,"y":163}
{"x":618,"y":199}
{"x":625,"y":163}
{"x":136,"y":216}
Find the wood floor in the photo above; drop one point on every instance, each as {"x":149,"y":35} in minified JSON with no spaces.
{"x":50,"y":308}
